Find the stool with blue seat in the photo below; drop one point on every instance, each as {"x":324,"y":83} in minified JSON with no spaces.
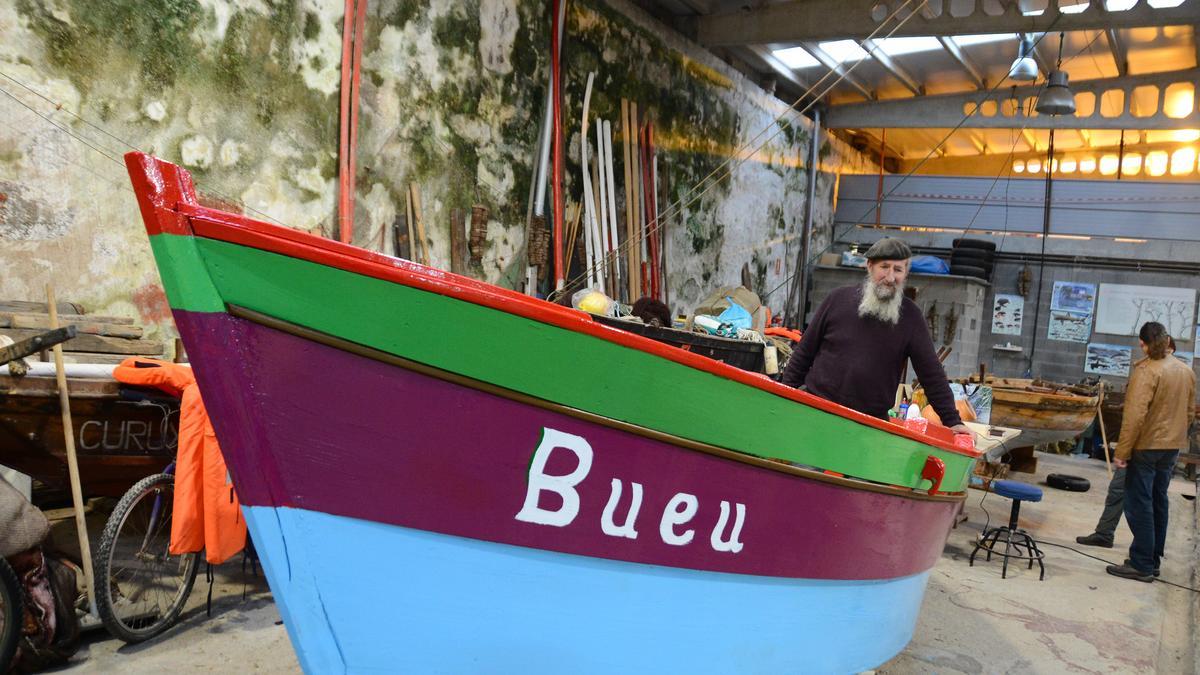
{"x":1018,"y":545}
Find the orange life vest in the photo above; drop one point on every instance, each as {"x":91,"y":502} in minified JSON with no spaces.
{"x":206,"y":514}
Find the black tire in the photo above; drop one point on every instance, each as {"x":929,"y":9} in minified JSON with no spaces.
{"x":985,"y":265}
{"x":132,"y":559}
{"x":1067,"y":482}
{"x":975,"y":243}
{"x":970,"y":271}
{"x":972,"y":256}
{"x":12,"y":606}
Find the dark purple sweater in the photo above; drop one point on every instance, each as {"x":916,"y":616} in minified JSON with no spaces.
{"x":858,"y":362}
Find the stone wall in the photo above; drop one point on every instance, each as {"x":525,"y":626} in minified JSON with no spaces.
{"x":245,"y":95}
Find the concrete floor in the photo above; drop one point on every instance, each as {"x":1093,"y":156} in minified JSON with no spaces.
{"x":1078,"y":620}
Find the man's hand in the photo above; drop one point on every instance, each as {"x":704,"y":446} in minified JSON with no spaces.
{"x":1119,"y":463}
{"x":960,"y":429}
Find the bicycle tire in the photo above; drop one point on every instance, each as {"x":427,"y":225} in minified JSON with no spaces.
{"x":121,"y":619}
{"x":12,"y":605}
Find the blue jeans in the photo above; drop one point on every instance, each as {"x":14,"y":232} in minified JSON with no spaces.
{"x":1146,"y":481}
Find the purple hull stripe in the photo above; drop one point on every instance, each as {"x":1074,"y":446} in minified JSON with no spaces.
{"x":306,"y":425}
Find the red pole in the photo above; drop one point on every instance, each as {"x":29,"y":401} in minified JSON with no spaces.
{"x":345,"y":180}
{"x":556,"y":76}
{"x":360,"y":21}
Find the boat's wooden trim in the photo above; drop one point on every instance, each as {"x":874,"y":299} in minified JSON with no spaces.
{"x":724,"y":453}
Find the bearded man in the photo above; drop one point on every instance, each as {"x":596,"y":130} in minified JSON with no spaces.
{"x":854,"y":350}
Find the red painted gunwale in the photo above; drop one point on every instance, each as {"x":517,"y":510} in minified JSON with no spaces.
{"x":242,"y":230}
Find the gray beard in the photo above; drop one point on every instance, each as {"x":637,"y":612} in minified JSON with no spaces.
{"x":886,"y":310}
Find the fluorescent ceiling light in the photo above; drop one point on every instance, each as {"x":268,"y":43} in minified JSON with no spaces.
{"x":1118,"y":5}
{"x":908,"y":45}
{"x":968,"y":40}
{"x":1032,"y":12}
{"x":1074,"y":9}
{"x":843,"y":51}
{"x":1157,"y":4}
{"x":795,"y":58}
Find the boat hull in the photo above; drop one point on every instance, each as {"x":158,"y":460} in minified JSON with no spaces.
{"x":1042,"y":418}
{"x":362,"y":596}
{"x":432,"y":516}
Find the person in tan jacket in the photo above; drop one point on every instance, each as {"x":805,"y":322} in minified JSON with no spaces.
{"x":1159,"y":405}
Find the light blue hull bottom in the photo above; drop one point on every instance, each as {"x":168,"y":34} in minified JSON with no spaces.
{"x":358,"y":596}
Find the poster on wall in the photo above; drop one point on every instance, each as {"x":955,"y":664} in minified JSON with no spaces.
{"x":1073,"y":297}
{"x":1105,"y":359}
{"x":1123,"y":309}
{"x":1006,"y":314}
{"x":1070,"y":326}
{"x":1186,"y":357}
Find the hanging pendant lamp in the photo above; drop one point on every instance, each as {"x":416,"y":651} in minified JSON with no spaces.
{"x":1056,"y":97}
{"x":1024,"y":68}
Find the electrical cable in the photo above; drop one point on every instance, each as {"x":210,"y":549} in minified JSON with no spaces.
{"x":1040,"y":542}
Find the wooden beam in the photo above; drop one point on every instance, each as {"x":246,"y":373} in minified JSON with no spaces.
{"x":32,"y":344}
{"x":94,"y":343}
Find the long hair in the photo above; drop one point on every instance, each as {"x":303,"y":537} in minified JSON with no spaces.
{"x":1154,"y":334}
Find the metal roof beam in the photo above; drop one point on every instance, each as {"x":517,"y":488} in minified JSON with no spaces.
{"x":967,"y":64}
{"x":778,"y":67}
{"x":889,"y":64}
{"x":1119,"y":53}
{"x":819,"y":20}
{"x":839,"y":69}
{"x":946,"y":111}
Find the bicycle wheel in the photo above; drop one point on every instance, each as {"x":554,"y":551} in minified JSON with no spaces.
{"x":11,"y":605}
{"x":141,"y":587}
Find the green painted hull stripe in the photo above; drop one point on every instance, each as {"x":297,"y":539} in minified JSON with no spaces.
{"x":548,"y":362}
{"x":182,"y":271}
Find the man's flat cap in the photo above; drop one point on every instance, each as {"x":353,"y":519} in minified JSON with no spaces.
{"x":889,"y":248}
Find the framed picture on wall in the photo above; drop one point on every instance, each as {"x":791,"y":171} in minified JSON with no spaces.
{"x":1102,"y":359}
{"x":1070,"y":296}
{"x":1123,"y":309}
{"x":1069,"y":326}
{"x":1006,"y":314}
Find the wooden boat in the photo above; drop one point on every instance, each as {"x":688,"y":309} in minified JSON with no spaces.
{"x":120,"y":437}
{"x":1044,"y":412}
{"x":443,"y":475}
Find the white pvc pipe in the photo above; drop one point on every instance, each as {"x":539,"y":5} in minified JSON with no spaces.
{"x":87,"y":370}
{"x":613,"y":240}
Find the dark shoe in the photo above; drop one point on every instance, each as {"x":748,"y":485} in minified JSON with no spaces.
{"x":1095,"y":539}
{"x":1128,"y":572}
{"x":1129,"y":563}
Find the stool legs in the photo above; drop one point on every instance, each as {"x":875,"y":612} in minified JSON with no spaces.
{"x":1018,"y":545}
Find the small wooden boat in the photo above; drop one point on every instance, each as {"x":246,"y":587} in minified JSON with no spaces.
{"x":1045,"y":412}
{"x":120,"y":437}
{"x":444,"y":475}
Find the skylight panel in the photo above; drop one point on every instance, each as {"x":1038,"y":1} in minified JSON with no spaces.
{"x":795,"y":58}
{"x":843,"y":51}
{"x":908,"y":45}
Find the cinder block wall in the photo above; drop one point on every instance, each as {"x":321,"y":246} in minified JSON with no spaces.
{"x":967,"y":297}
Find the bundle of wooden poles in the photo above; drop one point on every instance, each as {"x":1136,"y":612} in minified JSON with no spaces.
{"x":625,"y":265}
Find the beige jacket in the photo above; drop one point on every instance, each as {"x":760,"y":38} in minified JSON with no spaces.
{"x":1159,"y":405}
